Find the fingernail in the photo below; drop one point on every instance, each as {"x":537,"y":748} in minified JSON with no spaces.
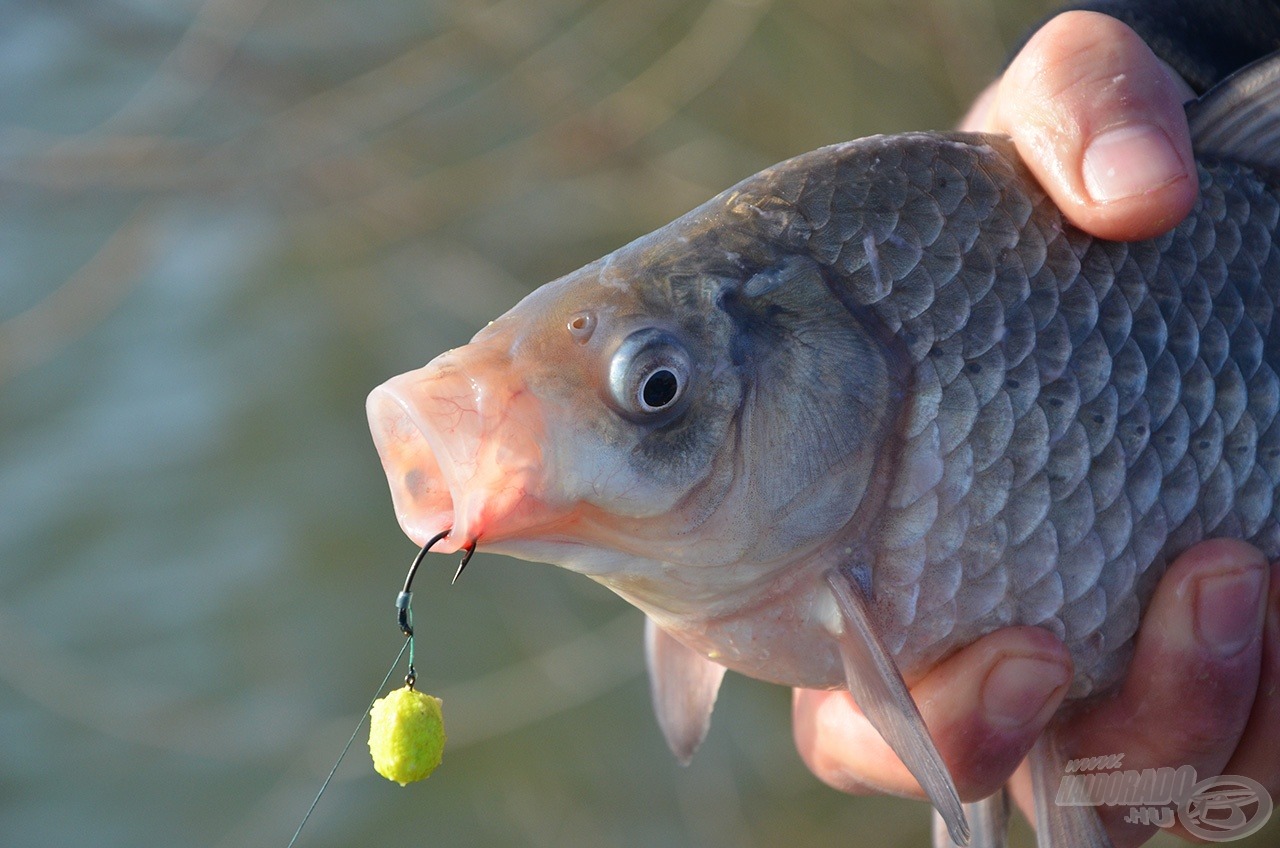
{"x":1227,"y":609}
{"x":1130,"y":160}
{"x":1017,"y":691}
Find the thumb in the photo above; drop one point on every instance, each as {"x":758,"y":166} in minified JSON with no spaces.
{"x":1099,"y":120}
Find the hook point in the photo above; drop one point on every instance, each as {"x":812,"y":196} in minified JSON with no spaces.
{"x":466,"y":558}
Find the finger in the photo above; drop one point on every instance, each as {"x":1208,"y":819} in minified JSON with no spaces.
{"x":980,"y":117}
{"x":984,"y":707}
{"x":1099,"y":120}
{"x":1257,"y":755}
{"x":1198,"y":649}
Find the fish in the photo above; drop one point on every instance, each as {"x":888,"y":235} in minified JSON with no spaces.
{"x":868,"y":405}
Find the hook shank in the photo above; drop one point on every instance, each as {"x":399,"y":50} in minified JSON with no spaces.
{"x":405,"y":596}
{"x":402,"y":600}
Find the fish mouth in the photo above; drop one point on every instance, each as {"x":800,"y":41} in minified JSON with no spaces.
{"x":460,"y":450}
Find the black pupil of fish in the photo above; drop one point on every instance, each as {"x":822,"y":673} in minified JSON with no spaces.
{"x":659,"y":389}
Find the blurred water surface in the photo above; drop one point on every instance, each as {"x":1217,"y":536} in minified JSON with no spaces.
{"x":221,"y":224}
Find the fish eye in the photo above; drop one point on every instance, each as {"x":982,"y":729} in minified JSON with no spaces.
{"x":660,"y":389}
{"x":649,"y":374}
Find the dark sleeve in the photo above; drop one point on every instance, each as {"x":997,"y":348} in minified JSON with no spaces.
{"x":1204,"y":40}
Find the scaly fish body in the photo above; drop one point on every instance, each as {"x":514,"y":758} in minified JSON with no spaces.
{"x":883,"y":389}
{"x":1076,"y":411}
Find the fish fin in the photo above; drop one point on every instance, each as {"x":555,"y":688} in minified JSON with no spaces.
{"x":684,"y":685}
{"x":1239,"y":118}
{"x":988,"y":822}
{"x":1060,"y":825}
{"x":881,"y":693}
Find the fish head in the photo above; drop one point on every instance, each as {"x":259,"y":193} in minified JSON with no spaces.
{"x":566,"y":425}
{"x":678,"y":406}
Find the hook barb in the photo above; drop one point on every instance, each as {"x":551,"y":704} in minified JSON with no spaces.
{"x":466,"y":558}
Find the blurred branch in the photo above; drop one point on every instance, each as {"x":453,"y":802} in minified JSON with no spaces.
{"x":74,"y":307}
{"x":349,"y":113}
{"x":151,"y":163}
{"x":57,"y":681}
{"x":550,"y":683}
{"x":684,"y":71}
{"x":613,"y":122}
{"x":966,"y":36}
{"x":181,"y":79}
{"x":132,"y":147}
{"x":188,"y":71}
{"x":381,"y":200}
{"x":559,"y":679}
{"x":390,"y":92}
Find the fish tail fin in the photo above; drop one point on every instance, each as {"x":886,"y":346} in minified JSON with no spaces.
{"x":1059,"y":823}
{"x":880,"y":692}
{"x":684,"y":685}
{"x":988,"y":822}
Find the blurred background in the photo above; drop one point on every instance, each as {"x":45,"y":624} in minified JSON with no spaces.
{"x":222,"y":222}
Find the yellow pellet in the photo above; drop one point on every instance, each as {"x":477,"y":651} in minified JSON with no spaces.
{"x":406,"y":735}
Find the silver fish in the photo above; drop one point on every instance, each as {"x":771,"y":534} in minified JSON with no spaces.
{"x":865,"y":407}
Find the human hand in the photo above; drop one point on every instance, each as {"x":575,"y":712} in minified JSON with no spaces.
{"x":1201,"y":687}
{"x":1100,"y":122}
{"x":1201,"y":691}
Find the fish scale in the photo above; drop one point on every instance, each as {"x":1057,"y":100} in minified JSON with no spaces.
{"x":868,"y":406}
{"x":1103,"y":406}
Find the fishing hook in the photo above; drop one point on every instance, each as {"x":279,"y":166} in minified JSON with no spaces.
{"x":406,"y":627}
{"x":402,"y":600}
{"x":466,"y":558}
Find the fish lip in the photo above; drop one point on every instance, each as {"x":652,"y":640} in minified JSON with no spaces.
{"x":388,"y":411}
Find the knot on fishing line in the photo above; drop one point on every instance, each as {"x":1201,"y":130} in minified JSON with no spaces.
{"x":406,"y":732}
{"x":402,"y":613}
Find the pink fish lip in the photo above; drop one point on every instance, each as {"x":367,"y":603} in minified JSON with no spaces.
{"x":411,"y":455}
{"x":458,"y":441}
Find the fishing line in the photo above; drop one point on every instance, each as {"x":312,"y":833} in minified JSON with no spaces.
{"x":404,"y":619}
{"x":354,"y":734}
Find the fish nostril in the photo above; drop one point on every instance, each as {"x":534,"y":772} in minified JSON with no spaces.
{"x":582,"y":325}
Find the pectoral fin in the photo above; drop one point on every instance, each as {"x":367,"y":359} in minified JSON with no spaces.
{"x":683,"y":684}
{"x":988,"y":819}
{"x":881,"y":693}
{"x":1060,"y":825}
